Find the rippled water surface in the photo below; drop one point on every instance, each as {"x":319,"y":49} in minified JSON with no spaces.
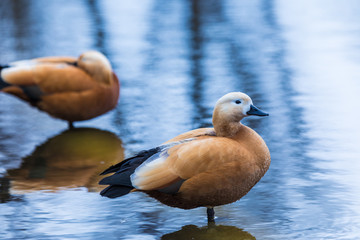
{"x":298,"y":60}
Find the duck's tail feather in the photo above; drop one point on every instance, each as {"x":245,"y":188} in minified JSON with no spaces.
{"x":120,"y":178}
{"x":120,"y":182}
{"x":3,"y":84}
{"x":135,"y":160}
{"x":4,"y":66}
{"x":114,"y":191}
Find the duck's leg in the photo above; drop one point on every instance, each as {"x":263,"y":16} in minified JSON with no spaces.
{"x":210,"y":214}
{"x":71,"y":125}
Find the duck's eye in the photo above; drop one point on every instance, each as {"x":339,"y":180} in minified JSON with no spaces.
{"x":238,"y":101}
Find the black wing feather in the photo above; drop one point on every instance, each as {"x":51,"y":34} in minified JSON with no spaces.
{"x":3,"y":84}
{"x":120,"y":183}
{"x":139,"y":158}
{"x":114,"y":191}
{"x":122,"y":179}
{"x":4,"y":66}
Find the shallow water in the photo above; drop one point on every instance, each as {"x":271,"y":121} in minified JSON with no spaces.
{"x":298,"y":60}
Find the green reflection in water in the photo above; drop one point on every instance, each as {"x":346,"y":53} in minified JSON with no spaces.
{"x":71,"y":159}
{"x":211,"y":232}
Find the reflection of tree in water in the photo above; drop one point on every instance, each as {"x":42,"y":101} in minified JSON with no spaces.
{"x":21,"y":21}
{"x":196,"y":59}
{"x":200,"y":14}
{"x":71,"y":159}
{"x":192,"y":232}
{"x":98,"y":25}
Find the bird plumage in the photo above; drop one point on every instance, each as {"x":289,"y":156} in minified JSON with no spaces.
{"x":203,"y":167}
{"x":72,"y":89}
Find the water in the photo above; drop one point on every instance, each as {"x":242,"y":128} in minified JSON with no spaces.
{"x":298,"y":60}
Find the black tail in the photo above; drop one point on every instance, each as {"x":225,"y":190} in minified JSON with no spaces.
{"x":137,"y":159}
{"x":114,"y":191}
{"x":3,"y":84}
{"x":120,"y":183}
{"x":3,"y":66}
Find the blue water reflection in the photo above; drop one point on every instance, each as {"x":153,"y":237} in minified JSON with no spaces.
{"x":299,"y":61}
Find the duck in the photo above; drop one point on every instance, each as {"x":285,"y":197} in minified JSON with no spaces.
{"x":68,"y":88}
{"x":205,"y":167}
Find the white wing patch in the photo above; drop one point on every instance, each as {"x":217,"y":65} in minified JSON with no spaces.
{"x":153,"y":171}
{"x":147,"y":169}
{"x":11,"y":70}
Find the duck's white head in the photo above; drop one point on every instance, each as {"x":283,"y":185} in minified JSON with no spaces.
{"x":96,"y":65}
{"x":230,"y":110}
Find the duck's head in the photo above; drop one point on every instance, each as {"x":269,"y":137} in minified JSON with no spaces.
{"x":96,"y":65}
{"x":230,"y":110}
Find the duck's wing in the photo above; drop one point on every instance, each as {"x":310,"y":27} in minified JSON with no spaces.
{"x":50,"y":77}
{"x":120,"y":182}
{"x":33,"y":79}
{"x":170,"y":165}
{"x":184,"y":161}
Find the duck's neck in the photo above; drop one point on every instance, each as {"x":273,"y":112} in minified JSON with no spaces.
{"x":225,"y":128}
{"x":228,"y":130}
{"x":103,"y":77}
{"x":100,"y":74}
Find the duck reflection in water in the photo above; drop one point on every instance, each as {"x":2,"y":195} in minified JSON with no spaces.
{"x":4,"y":190}
{"x":71,"y":159}
{"x":210,"y":232}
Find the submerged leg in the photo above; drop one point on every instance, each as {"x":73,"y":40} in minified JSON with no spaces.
{"x":211,"y":215}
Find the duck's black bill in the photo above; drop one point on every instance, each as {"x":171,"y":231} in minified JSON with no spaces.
{"x":257,"y":112}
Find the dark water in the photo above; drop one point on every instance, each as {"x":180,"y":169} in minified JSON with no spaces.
{"x":298,"y":60}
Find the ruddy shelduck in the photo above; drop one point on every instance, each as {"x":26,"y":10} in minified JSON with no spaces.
{"x":205,"y":167}
{"x":72,"y":89}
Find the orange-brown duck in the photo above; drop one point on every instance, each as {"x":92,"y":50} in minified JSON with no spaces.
{"x":72,"y":89}
{"x":206,"y":167}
